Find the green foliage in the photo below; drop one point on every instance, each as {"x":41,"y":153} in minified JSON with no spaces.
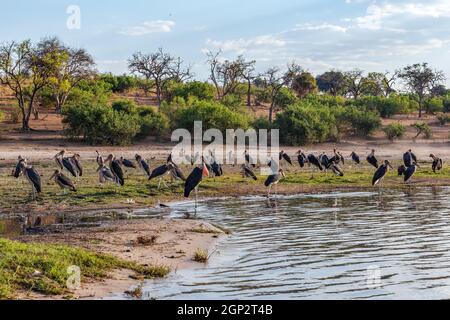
{"x":285,"y":98}
{"x":394,"y":131}
{"x":327,"y":100}
{"x":446,"y":103}
{"x":261,"y":123}
{"x":87,"y":91}
{"x":100,"y":124}
{"x":262,"y":95}
{"x":197,"y":89}
{"x":422,"y":128}
{"x":212,"y":115}
{"x":126,"y":106}
{"x":434,"y":105}
{"x":152,"y":123}
{"x":359,"y":121}
{"x":443,"y":119}
{"x":120,"y":84}
{"x":305,"y":123}
{"x":387,"y":107}
{"x":234,"y":102}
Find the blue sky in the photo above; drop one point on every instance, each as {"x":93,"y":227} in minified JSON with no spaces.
{"x":319,"y":35}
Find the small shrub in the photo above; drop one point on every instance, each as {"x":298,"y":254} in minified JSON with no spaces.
{"x":434,"y":105}
{"x":261,"y":123}
{"x":286,"y":97}
{"x":201,"y":255}
{"x":126,"y":106}
{"x":443,"y":119}
{"x":394,"y":131}
{"x":361,"y":122}
{"x":422,"y":128}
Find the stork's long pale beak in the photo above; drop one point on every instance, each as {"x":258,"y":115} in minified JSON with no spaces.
{"x":98,"y":169}
{"x":417,"y":165}
{"x":390,"y":166}
{"x":53,"y":175}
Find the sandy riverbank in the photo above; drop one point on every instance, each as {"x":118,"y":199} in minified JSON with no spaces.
{"x":164,"y":241}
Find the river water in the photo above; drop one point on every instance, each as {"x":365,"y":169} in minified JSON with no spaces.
{"x":342,"y":245}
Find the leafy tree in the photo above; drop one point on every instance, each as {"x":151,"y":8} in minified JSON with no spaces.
{"x":420,"y":79}
{"x":332,"y":82}
{"x":285,"y":98}
{"x":354,"y":82}
{"x":422,"y":128}
{"x":25,"y":69}
{"x":70,"y":66}
{"x":120,"y":84}
{"x":304,"y":84}
{"x":361,"y":122}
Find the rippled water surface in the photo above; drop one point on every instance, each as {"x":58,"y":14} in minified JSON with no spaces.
{"x":328,"y":246}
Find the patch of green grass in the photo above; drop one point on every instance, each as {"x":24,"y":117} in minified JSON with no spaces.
{"x":43,"y":268}
{"x":201,"y":255}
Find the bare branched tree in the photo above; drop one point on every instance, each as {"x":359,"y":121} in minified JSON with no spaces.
{"x":159,"y":67}
{"x":274,"y":80}
{"x":355,"y":82}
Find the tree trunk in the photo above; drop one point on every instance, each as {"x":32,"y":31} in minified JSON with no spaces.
{"x":249,"y":93}
{"x":272,"y":105}
{"x":158,"y":94}
{"x":25,"y":121}
{"x":420,"y":107}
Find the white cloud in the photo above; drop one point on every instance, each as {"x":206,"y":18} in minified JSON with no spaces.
{"x":377,"y":15}
{"x":148,"y":27}
{"x":319,"y":27}
{"x":241,"y":46}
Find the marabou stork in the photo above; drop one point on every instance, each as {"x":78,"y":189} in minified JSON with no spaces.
{"x":315,"y":162}
{"x":302,"y":159}
{"x":247,"y":172}
{"x":216,"y":168}
{"x":143,"y":165}
{"x":410,"y":171}
{"x":273,"y":180}
{"x":336,"y":169}
{"x":381,"y":172}
{"x":338,"y":157}
{"x":249,"y":159}
{"x":63,"y":181}
{"x":160,"y":172}
{"x":325,"y":161}
{"x":372,"y":160}
{"x":116,"y":169}
{"x":176,"y":173}
{"x":194,"y":180}
{"x":401,"y":170}
{"x":33,"y":178}
{"x":105,"y":174}
{"x":127,"y":163}
{"x":71,"y":164}
{"x":355,"y":158}
{"x":285,"y":156}
{"x":437,"y":163}
{"x":99,"y":159}
{"x":18,"y":170}
{"x":409,"y":158}
{"x":77,"y":164}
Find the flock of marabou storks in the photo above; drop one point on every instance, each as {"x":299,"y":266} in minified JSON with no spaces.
{"x":112,"y":169}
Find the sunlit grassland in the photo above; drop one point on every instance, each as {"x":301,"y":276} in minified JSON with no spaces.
{"x":139,"y":192}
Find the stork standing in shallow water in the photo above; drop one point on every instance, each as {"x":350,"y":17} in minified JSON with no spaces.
{"x":63,"y":181}
{"x":195,"y":178}
{"x":273,"y":180}
{"x":33,"y":178}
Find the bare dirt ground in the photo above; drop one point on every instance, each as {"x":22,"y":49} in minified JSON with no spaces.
{"x":165,"y":242}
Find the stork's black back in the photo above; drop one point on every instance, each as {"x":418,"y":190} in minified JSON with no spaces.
{"x":301,"y":160}
{"x":287,"y":158}
{"x":409,"y":172}
{"x":217,"y":169}
{"x":408,"y":159}
{"x":249,"y":173}
{"x":18,"y":169}
{"x":193,"y":181}
{"x":34,"y":178}
{"x":379,"y":174}
{"x":373,"y":161}
{"x":146,"y":167}
{"x":68,"y":164}
{"x":78,"y":167}
{"x":66,"y":181}
{"x":356,"y":158}
{"x":128,"y":163}
{"x":158,"y":172}
{"x":312,"y":159}
{"x":118,"y":172}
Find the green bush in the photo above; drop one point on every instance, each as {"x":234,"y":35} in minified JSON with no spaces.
{"x":359,"y":121}
{"x":119,"y":84}
{"x":446,"y":103}
{"x":443,"y":119}
{"x":119,"y":124}
{"x":234,"y":102}
{"x":197,"y":89}
{"x":212,"y":115}
{"x":261,"y":123}
{"x":305,"y":123}
{"x":394,"y":131}
{"x":422,"y":128}
{"x":285,"y":98}
{"x":387,"y":107}
{"x":100,"y":124}
{"x":434,"y":105}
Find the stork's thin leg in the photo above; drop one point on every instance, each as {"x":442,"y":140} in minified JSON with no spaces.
{"x":195,"y":190}
{"x":159,"y":184}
